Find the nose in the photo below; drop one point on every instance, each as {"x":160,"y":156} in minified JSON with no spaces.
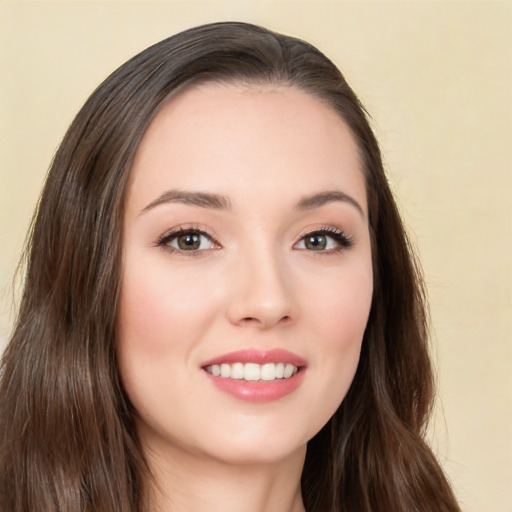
{"x":261,"y":292}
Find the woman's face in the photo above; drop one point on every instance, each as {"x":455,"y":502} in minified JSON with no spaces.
{"x":246,"y":253}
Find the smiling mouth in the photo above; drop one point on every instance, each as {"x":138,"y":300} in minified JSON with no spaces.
{"x":253,"y":372}
{"x":255,"y":375}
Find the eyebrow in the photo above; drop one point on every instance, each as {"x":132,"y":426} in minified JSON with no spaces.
{"x":322,"y":198}
{"x":200,"y":199}
{"x":220,"y":202}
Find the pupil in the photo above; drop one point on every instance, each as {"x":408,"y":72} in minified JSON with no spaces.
{"x":189,"y":241}
{"x":316,"y":242}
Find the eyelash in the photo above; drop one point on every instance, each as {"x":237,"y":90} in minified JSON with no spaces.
{"x":167,"y":238}
{"x":342,"y":240}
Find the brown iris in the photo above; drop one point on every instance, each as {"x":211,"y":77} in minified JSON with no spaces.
{"x":189,"y":241}
{"x":315,"y":242}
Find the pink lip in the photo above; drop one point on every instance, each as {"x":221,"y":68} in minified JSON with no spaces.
{"x":276,"y":355}
{"x":259,"y":391}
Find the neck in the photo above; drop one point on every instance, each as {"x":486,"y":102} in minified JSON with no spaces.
{"x":184,"y":482}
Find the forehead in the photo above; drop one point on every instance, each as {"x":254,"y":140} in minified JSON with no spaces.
{"x":232,"y":138}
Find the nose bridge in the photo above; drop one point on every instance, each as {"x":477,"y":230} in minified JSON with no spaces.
{"x":262,"y":288}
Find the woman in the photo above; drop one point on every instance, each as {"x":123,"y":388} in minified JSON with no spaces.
{"x":221,"y":308}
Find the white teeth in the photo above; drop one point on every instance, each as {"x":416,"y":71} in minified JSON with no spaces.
{"x":225,"y":370}
{"x":288,"y":370}
{"x":268,"y":371}
{"x":237,"y":371}
{"x":253,"y":371}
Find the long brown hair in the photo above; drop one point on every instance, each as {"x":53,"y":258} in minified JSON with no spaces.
{"x":67,"y":437}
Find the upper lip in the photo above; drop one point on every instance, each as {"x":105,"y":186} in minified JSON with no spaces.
{"x":258,"y":356}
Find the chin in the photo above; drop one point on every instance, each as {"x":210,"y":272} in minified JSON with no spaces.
{"x":261,"y":454}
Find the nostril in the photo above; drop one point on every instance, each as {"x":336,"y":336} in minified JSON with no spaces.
{"x":250,"y":319}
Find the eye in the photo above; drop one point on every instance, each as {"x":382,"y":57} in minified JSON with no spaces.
{"x":187,"y":240}
{"x":324,"y":240}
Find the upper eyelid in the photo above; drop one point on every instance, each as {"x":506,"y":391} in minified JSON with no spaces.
{"x":323,"y":229}
{"x":173,"y":233}
{"x":176,"y":231}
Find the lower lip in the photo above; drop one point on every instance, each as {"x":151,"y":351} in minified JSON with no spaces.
{"x":258,"y":391}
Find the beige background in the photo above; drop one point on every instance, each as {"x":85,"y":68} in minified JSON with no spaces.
{"x":437,"y":78}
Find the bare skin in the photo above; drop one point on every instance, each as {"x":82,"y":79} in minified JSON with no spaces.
{"x":220,"y":487}
{"x":246,"y":231}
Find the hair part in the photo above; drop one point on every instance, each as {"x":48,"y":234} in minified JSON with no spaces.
{"x":67,"y":435}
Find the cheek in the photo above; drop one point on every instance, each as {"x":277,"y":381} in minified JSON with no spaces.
{"x":160,"y":318}
{"x":158,"y":309}
{"x":340,"y":320}
{"x":342,"y":313}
